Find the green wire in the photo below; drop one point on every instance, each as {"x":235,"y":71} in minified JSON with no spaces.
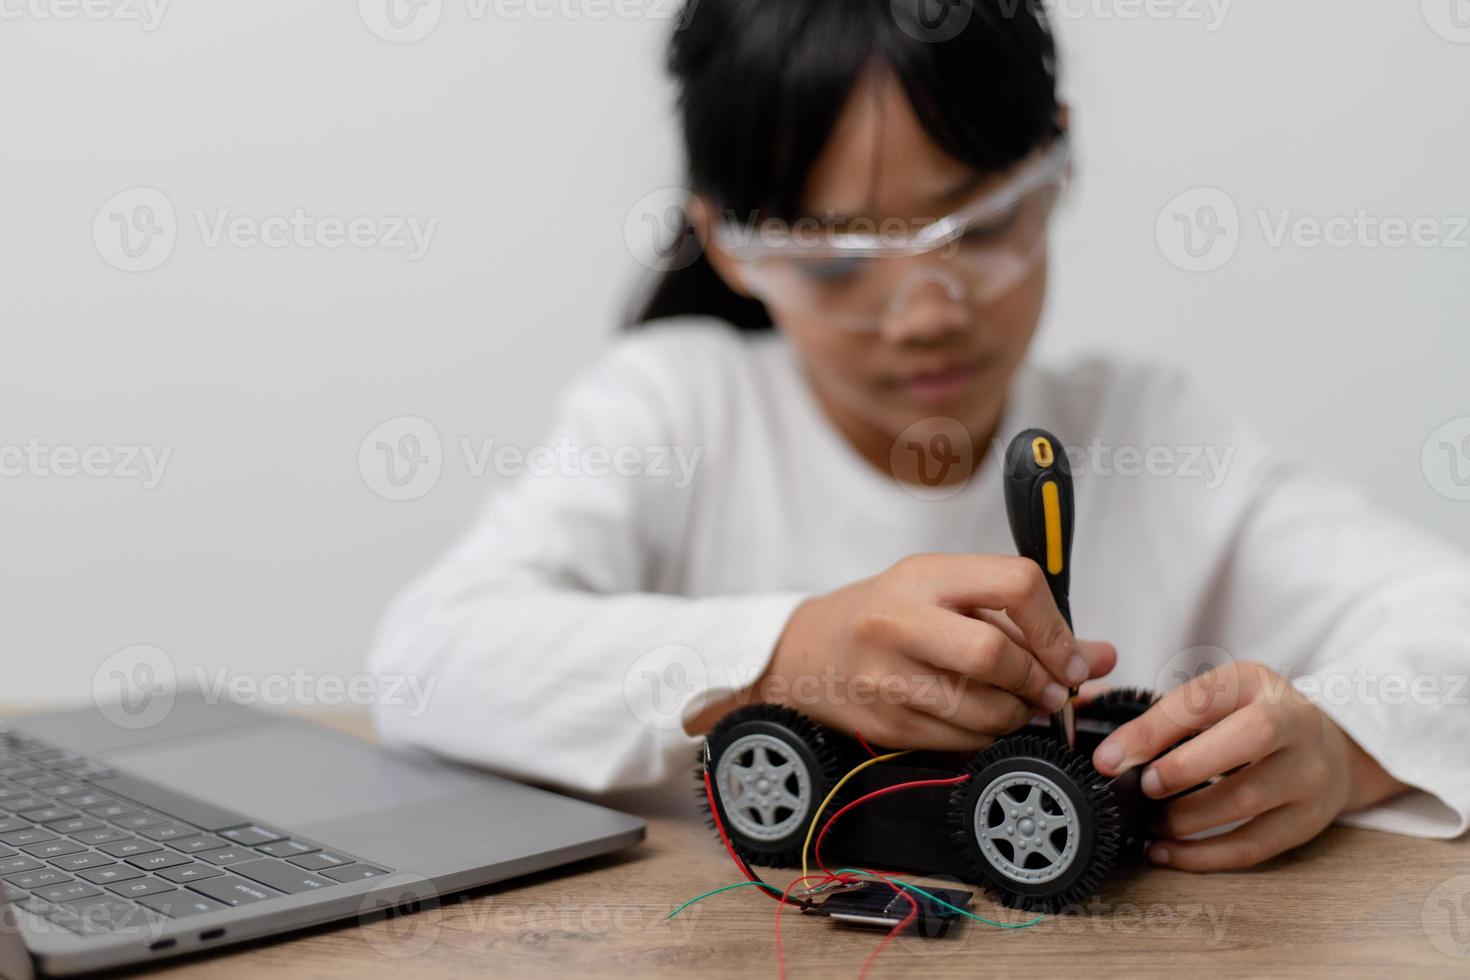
{"x":716,"y":891}
{"x":939,"y":901}
{"x":861,"y":871}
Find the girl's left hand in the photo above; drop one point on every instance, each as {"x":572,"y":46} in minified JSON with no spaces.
{"x":1283,"y":765}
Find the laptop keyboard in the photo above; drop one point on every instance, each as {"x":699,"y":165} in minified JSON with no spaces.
{"x":94,"y":851}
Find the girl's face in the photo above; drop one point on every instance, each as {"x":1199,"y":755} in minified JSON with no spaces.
{"x":935,"y":354}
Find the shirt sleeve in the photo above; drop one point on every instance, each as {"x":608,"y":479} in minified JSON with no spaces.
{"x":1370,"y":618}
{"x":542,"y":642}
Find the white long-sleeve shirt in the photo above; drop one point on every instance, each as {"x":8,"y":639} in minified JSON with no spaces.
{"x":701,"y":494}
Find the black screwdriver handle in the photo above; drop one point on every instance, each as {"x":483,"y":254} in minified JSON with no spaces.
{"x":1039,"y":504}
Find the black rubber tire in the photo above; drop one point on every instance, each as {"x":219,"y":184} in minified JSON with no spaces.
{"x":1089,"y":794}
{"x":818,"y":749}
{"x":1118,"y":706}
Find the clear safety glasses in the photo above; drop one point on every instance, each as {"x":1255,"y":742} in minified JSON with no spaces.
{"x":855,"y":279}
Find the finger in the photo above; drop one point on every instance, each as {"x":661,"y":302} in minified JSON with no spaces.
{"x":1251,"y":733}
{"x":1018,"y":586}
{"x":1255,"y":790}
{"x":1263,"y":838}
{"x":1189,"y":708}
{"x":985,"y":653}
{"x":910,"y":729}
{"x":973,"y":706}
{"x":1002,"y":622}
{"x":1101,"y":657}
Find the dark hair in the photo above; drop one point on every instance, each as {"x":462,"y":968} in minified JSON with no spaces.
{"x":761,"y":84}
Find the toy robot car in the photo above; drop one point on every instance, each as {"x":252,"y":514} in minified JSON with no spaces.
{"x":1028,"y":818}
{"x":1035,"y":824}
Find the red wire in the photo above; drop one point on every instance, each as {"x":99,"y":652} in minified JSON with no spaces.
{"x":864,"y":743}
{"x":709,"y":792}
{"x":913,"y":915}
{"x":827,"y":876}
{"x":781,"y":907}
{"x":908,"y":920}
{"x":714,"y":810}
{"x":897,"y":787}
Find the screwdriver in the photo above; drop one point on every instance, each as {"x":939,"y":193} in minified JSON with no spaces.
{"x":1039,"y":505}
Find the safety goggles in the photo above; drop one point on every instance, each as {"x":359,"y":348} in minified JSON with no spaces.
{"x":856,"y":279}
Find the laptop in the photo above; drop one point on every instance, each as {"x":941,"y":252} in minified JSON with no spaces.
{"x":221,"y":824}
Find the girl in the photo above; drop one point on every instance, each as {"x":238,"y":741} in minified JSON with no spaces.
{"x":872,"y":186}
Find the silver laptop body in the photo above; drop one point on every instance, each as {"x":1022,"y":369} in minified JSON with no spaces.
{"x":222,"y":824}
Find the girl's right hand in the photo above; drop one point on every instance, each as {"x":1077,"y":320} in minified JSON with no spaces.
{"x":938,"y":652}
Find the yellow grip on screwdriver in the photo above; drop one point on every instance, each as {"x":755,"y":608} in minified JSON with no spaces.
{"x":1051,"y":503}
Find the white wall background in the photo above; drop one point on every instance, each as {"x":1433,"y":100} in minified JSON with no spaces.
{"x":262,"y":370}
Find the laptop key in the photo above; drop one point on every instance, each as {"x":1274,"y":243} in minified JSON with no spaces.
{"x":22,"y":803}
{"x":177,"y":904}
{"x":47,"y":814}
{"x":193,"y":845}
{"x":75,"y":825}
{"x":287,"y":848}
{"x":103,"y":914}
{"x":67,"y":892}
{"x":319,"y":861}
{"x":79,"y":862}
{"x":12,"y":865}
{"x":139,"y":887}
{"x":31,"y":835}
{"x":9,"y":824}
{"x":93,"y":771}
{"x":34,"y":905}
{"x":109,"y":874}
{"x":72,"y":767}
{"x":191,"y":872}
{"x":234,"y":891}
{"x":83,"y":800}
{"x":58,"y":788}
{"x":226,"y":855}
{"x":111,"y":811}
{"x":40,"y":878}
{"x":65,"y":917}
{"x":158,"y":861}
{"x":137,"y":821}
{"x":251,"y":836}
{"x":281,"y":876}
{"x":169,"y":832}
{"x":129,"y":847}
{"x":53,"y":848}
{"x":102,"y":835}
{"x":6,"y":852}
{"x":353,"y":872}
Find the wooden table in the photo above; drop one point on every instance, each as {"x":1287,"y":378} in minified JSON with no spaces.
{"x":1352,"y":903}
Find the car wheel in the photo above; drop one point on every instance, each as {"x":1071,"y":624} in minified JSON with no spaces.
{"x":771,"y":768}
{"x":1036,"y":823}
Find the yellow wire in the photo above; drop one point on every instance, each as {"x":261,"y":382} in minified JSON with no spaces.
{"x":806,"y":846}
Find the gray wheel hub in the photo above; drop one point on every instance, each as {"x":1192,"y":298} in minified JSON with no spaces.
{"x":765,"y":787}
{"x":1028,"y":829}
